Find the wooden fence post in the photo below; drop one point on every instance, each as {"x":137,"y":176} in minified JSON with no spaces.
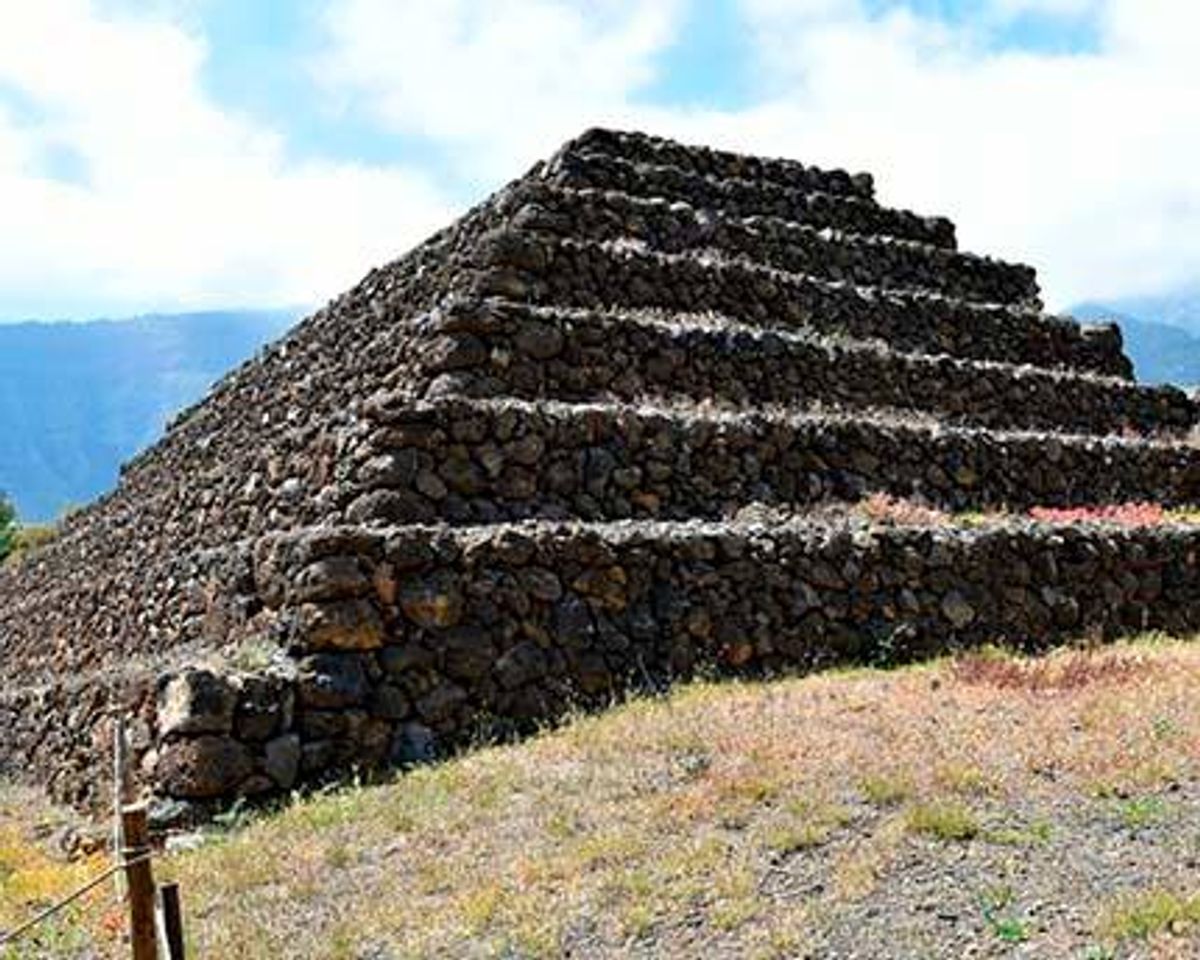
{"x":172,"y":921}
{"x":120,"y":793}
{"x":139,"y":877}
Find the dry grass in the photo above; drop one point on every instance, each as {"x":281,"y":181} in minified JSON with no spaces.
{"x":1068,"y":670}
{"x":687,"y":825}
{"x":1150,"y":914}
{"x":944,"y":820}
{"x":32,"y":878}
{"x":27,"y":539}
{"x":885,"y":508}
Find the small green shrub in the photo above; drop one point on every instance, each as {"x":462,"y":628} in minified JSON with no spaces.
{"x":944,"y":820}
{"x":8,"y":526}
{"x":1141,"y":812}
{"x":882,"y":790}
{"x":996,"y":906}
{"x":1149,"y":913}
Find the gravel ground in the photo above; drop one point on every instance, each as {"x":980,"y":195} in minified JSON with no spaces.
{"x":1020,"y":892}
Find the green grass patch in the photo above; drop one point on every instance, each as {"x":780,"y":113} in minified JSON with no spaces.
{"x":1140,"y":812}
{"x":886,"y":790}
{"x":1034,"y":834}
{"x":943,"y":820}
{"x":1148,"y":914}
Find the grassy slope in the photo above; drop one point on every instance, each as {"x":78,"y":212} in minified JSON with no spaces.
{"x":1014,"y":808}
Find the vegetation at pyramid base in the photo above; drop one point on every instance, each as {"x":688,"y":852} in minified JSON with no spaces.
{"x":8,"y":526}
{"x":17,"y":538}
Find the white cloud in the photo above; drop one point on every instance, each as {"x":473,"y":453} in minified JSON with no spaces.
{"x":503,"y":81}
{"x":182,"y":204}
{"x":14,"y":148}
{"x":1081,"y":164}
{"x":1158,"y":33}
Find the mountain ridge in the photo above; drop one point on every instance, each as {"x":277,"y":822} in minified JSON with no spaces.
{"x":1162,"y":350}
{"x":78,"y":398}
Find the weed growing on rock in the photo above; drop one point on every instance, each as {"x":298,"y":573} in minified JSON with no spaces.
{"x":1123,"y":514}
{"x":1035,"y":834}
{"x":996,"y":906}
{"x":886,"y":790}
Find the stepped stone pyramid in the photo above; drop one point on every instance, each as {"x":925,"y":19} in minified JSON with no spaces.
{"x":584,"y":438}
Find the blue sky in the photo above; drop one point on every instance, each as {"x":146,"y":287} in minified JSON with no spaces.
{"x":257,"y":51}
{"x":180,"y":154}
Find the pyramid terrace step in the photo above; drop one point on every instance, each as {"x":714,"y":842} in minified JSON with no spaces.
{"x":519,"y":622}
{"x":524,"y":266}
{"x":522,"y":621}
{"x":741,"y":197}
{"x":705,"y":161}
{"x":501,"y":348}
{"x":466,"y":461}
{"x":49,"y":734}
{"x":882,"y":262}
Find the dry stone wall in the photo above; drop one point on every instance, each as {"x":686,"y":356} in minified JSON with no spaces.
{"x":720,"y":164}
{"x":594,"y":434}
{"x":524,"y":266}
{"x":464,"y":461}
{"x":492,"y":630}
{"x":744,"y":198}
{"x":56,"y":731}
{"x":795,"y":248}
{"x":139,"y":571}
{"x":492,"y":348}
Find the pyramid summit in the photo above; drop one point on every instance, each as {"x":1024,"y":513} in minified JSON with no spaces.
{"x":593,"y":435}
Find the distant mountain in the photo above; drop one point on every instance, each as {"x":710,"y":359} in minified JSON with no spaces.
{"x":1178,"y":309}
{"x":1162,"y":335}
{"x":78,"y":399}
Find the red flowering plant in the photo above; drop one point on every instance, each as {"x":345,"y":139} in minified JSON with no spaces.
{"x":1124,"y":514}
{"x":884,"y":508}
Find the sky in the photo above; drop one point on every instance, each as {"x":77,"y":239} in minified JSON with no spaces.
{"x":160,"y":155}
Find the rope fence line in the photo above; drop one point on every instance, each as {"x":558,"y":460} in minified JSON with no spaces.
{"x":155,"y":916}
{"x":11,"y":936}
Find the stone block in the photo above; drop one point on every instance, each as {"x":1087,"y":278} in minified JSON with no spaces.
{"x":332,"y":681}
{"x":282,"y":760}
{"x":203,"y":767}
{"x":194,"y":702}
{"x":339,"y":625}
